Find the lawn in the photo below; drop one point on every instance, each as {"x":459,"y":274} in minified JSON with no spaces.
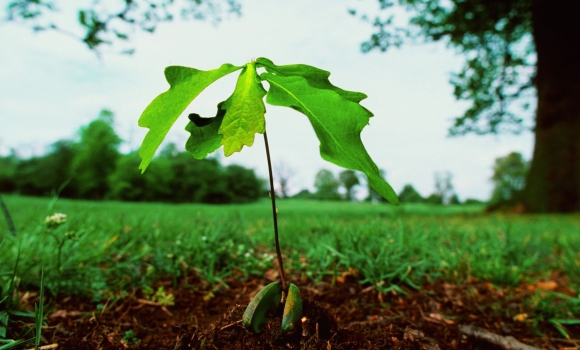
{"x":105,"y":250}
{"x":103,"y":242}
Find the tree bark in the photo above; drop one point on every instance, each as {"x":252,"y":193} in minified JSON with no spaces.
{"x":553,"y":181}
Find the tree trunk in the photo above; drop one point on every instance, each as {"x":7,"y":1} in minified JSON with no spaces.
{"x":553,"y":182}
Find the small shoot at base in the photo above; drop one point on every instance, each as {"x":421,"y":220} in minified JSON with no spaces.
{"x":262,"y":307}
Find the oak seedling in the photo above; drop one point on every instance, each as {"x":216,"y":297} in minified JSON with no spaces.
{"x":335,"y":115}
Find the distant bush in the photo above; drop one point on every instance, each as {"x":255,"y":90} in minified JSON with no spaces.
{"x":326,"y":186}
{"x":410,"y":195}
{"x":38,"y":176}
{"x":434,"y":198}
{"x":242,"y":184}
{"x":304,"y":194}
{"x":178,"y":177}
{"x":473,"y":201}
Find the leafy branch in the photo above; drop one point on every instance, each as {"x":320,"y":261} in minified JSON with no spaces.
{"x":112,"y":24}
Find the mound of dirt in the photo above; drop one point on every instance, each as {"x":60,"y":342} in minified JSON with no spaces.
{"x":318,"y":330}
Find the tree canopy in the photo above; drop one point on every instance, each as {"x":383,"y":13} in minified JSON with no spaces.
{"x":496,"y":40}
{"x":517,"y":53}
{"x":117,"y":20}
{"x":509,"y":178}
{"x":97,"y":153}
{"x":410,"y":195}
{"x":349,"y":179}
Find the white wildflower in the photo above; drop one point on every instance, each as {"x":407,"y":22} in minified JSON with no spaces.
{"x":55,"y":220}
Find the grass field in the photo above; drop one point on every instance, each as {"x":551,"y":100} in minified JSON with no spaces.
{"x":106,"y":248}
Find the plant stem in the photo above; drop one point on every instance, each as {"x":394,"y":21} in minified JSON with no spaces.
{"x":60,"y":246}
{"x":275,"y":215}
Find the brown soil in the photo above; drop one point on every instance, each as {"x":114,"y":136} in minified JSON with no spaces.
{"x":339,"y":315}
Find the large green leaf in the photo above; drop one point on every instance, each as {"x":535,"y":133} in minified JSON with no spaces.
{"x":337,"y":122}
{"x":244,"y":112}
{"x":185,"y":85}
{"x":204,"y":138}
{"x":316,"y":77}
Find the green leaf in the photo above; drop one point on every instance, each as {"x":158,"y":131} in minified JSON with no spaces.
{"x":315,"y":77}
{"x":185,"y":85}
{"x":337,"y":122}
{"x":204,"y":138}
{"x":244,"y":112}
{"x":39,"y":312}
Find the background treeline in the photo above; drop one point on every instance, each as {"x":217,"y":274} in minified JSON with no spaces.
{"x":93,"y":168}
{"x":345,"y":185}
{"x":509,"y":178}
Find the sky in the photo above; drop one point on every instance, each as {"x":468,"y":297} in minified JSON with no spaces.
{"x":51,"y":85}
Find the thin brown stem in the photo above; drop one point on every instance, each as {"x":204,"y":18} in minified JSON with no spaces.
{"x":275,"y":215}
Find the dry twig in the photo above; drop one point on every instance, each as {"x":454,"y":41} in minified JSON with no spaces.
{"x":506,"y":342}
{"x":47,"y":347}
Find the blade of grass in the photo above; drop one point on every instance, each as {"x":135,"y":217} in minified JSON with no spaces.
{"x":560,"y":328}
{"x":39,"y":312}
{"x":4,"y":315}
{"x":14,"y":344}
{"x":12,"y":280}
{"x":566,"y":322}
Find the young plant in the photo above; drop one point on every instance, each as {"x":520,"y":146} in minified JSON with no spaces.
{"x":53,"y":222}
{"x":334,"y":113}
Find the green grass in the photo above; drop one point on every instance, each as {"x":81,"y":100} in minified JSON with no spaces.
{"x":106,"y":248}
